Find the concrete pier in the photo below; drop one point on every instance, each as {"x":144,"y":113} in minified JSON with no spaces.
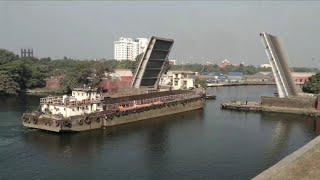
{"x":293,"y":105}
{"x":304,"y":163}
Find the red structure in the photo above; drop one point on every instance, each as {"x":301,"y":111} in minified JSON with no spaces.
{"x":301,"y":77}
{"x":53,"y":83}
{"x":318,"y":105}
{"x":224,"y":63}
{"x":112,"y":86}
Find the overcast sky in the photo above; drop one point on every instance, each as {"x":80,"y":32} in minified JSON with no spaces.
{"x":203,"y":31}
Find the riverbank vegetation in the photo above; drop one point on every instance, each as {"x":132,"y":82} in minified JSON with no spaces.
{"x":20,"y":74}
{"x":313,"y":85}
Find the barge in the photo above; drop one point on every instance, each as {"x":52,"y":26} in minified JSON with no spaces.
{"x":85,"y":109}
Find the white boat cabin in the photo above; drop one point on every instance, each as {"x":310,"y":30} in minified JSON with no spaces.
{"x":82,"y":101}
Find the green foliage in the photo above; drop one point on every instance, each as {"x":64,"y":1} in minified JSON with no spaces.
{"x":247,"y":70}
{"x":7,"y":56}
{"x":313,"y":85}
{"x":7,"y":84}
{"x":200,"y":83}
{"x":28,"y":73}
{"x":20,"y":74}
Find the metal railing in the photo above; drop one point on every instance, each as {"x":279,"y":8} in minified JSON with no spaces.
{"x":68,"y":101}
{"x":164,"y":99}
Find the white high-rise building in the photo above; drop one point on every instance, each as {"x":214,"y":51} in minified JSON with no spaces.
{"x":128,"y":49}
{"x":143,"y":43}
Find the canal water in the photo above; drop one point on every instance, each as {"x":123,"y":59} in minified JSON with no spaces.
{"x":203,"y":144}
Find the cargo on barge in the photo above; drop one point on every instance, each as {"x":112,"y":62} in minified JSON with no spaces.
{"x":85,"y":109}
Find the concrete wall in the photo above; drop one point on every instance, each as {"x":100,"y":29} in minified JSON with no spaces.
{"x":302,"y":164}
{"x":294,"y":102}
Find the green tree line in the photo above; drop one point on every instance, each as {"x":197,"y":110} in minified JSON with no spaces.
{"x":18,"y":74}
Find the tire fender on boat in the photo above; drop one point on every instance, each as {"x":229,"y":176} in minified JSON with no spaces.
{"x":57,"y":123}
{"x":118,"y":113}
{"x":87,"y":120}
{"x":98,"y":119}
{"x":48,"y":123}
{"x":35,"y":121}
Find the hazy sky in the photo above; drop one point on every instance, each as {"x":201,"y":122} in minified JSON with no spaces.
{"x":208,"y":30}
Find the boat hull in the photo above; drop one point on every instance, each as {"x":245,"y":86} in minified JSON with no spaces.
{"x":101,"y":120}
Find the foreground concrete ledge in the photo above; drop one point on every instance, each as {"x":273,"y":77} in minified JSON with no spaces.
{"x":304,"y":163}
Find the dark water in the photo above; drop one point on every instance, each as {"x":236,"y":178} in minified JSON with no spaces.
{"x":203,"y":144}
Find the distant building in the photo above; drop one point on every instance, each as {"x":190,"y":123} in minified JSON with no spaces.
{"x":178,"y":79}
{"x":26,"y":53}
{"x":172,"y":62}
{"x":235,"y":77}
{"x":142,"y":44}
{"x":260,"y":77}
{"x":128,"y":49}
{"x":265,"y":65}
{"x":301,"y":77}
{"x":224,"y":63}
{"x":114,"y":82}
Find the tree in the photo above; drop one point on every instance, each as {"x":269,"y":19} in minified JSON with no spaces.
{"x":99,"y":73}
{"x":313,"y":85}
{"x":7,"y":84}
{"x":136,"y":63}
{"x":199,"y":82}
{"x":20,"y":72}
{"x":7,"y":56}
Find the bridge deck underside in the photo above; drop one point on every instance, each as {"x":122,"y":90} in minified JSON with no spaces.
{"x":152,"y":63}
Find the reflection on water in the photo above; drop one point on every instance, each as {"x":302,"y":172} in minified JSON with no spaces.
{"x":203,"y":144}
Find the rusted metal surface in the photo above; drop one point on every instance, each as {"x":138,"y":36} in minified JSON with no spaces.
{"x":143,"y":96}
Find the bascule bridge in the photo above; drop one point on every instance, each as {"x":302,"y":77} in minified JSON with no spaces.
{"x":278,"y":59}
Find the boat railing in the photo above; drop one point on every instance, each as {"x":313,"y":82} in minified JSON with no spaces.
{"x":68,"y":101}
{"x":74,"y":103}
{"x":52,"y":100}
{"x":164,"y":99}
